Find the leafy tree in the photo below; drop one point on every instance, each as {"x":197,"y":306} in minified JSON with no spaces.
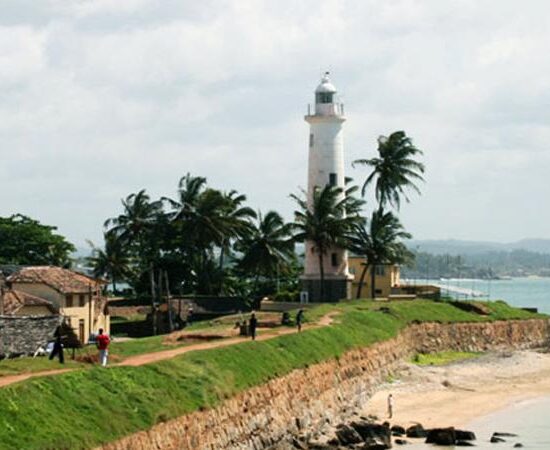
{"x":326,"y":222}
{"x":268,"y":249}
{"x":25,"y":241}
{"x":395,"y":169}
{"x":379,"y":242}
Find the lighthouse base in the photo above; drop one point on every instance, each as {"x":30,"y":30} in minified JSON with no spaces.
{"x":334,"y":289}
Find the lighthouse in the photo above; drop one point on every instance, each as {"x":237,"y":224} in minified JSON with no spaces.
{"x":325,"y":166}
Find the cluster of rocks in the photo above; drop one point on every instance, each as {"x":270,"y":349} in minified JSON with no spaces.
{"x":364,"y":433}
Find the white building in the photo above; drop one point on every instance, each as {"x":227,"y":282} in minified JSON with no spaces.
{"x":326,"y":166}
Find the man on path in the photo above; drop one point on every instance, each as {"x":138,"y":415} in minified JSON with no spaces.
{"x":252,"y":325}
{"x":58,"y":346}
{"x":299,"y":319}
{"x":102,"y":342}
{"x":390,"y":406}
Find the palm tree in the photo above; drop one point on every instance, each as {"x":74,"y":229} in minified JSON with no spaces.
{"x":325,"y":222}
{"x":189,"y":190}
{"x":395,"y":170}
{"x":268,"y":248}
{"x":134,"y":229}
{"x":236,"y":221}
{"x":138,"y":218}
{"x":111,"y":262}
{"x":379,"y":243}
{"x":207,"y":219}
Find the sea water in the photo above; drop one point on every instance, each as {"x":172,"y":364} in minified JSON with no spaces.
{"x":529,"y":419}
{"x":521,"y":292}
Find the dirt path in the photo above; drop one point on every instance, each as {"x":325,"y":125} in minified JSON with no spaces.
{"x":147,"y":358}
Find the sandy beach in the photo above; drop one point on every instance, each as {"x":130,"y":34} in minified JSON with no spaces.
{"x":456,"y":394}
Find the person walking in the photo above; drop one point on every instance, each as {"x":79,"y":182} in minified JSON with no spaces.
{"x":58,"y":346}
{"x":390,"y":406}
{"x":102,"y":342}
{"x":252,"y":325}
{"x":299,"y":319}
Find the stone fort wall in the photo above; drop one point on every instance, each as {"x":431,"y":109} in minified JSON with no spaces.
{"x":22,"y":335}
{"x":326,"y":392}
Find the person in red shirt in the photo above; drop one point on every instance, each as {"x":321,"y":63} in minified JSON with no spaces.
{"x":102,"y":342}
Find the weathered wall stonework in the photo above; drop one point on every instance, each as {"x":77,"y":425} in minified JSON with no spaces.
{"x":326,"y":392}
{"x":21,"y":335}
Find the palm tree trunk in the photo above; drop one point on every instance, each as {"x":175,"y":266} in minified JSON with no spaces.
{"x":222,"y":255}
{"x":322,"y":272}
{"x":153,"y":307}
{"x":372,"y":281}
{"x":362,"y":280}
{"x":256,"y":279}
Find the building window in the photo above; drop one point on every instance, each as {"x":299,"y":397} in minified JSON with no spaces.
{"x":334,"y":259}
{"x":81,"y":300}
{"x":379,"y":271}
{"x":378,"y":291}
{"x":69,"y":300}
{"x":311,"y":139}
{"x":333,"y":179}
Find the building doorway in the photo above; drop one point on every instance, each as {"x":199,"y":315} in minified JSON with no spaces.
{"x":81,"y":334}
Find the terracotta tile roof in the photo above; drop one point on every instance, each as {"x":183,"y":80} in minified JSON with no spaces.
{"x":15,"y":300}
{"x":62,"y":280}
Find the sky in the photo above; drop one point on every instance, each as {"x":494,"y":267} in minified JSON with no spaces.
{"x":101,"y":98}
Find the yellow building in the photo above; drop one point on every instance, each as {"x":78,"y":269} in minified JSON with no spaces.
{"x":77,"y":297}
{"x":386,"y":283}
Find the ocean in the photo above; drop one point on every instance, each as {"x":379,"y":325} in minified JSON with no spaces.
{"x":522,"y":292}
{"x":529,"y":419}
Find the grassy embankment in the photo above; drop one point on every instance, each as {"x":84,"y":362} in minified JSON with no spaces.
{"x":85,"y":408}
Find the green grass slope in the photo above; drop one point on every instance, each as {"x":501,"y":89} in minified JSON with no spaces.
{"x":85,"y":408}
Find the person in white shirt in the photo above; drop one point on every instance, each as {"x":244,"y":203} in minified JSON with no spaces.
{"x":390,"y":406}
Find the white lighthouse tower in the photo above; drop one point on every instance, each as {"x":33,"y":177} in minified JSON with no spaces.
{"x":326,"y":166}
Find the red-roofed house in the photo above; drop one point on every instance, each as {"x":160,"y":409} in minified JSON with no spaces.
{"x":76,"y":296}
{"x":18,"y":303}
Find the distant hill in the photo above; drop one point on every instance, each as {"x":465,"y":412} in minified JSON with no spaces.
{"x":459,"y":247}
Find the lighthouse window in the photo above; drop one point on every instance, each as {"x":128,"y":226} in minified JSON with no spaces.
{"x":332,"y":179}
{"x":324,"y":97}
{"x":334,"y":259}
{"x":311,"y":140}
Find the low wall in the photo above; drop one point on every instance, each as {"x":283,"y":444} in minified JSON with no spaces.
{"x":21,"y":335}
{"x":325,"y":392}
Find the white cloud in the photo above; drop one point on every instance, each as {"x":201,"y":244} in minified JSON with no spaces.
{"x":101,"y":98}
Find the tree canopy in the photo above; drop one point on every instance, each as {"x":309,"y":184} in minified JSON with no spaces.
{"x":25,"y":241}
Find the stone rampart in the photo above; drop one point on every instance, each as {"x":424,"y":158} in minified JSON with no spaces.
{"x":22,"y":335}
{"x":326,"y":392}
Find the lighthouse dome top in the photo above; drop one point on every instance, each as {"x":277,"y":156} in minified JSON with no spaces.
{"x":325,"y":86}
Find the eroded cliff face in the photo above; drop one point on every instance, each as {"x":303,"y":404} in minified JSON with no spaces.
{"x":326,"y":392}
